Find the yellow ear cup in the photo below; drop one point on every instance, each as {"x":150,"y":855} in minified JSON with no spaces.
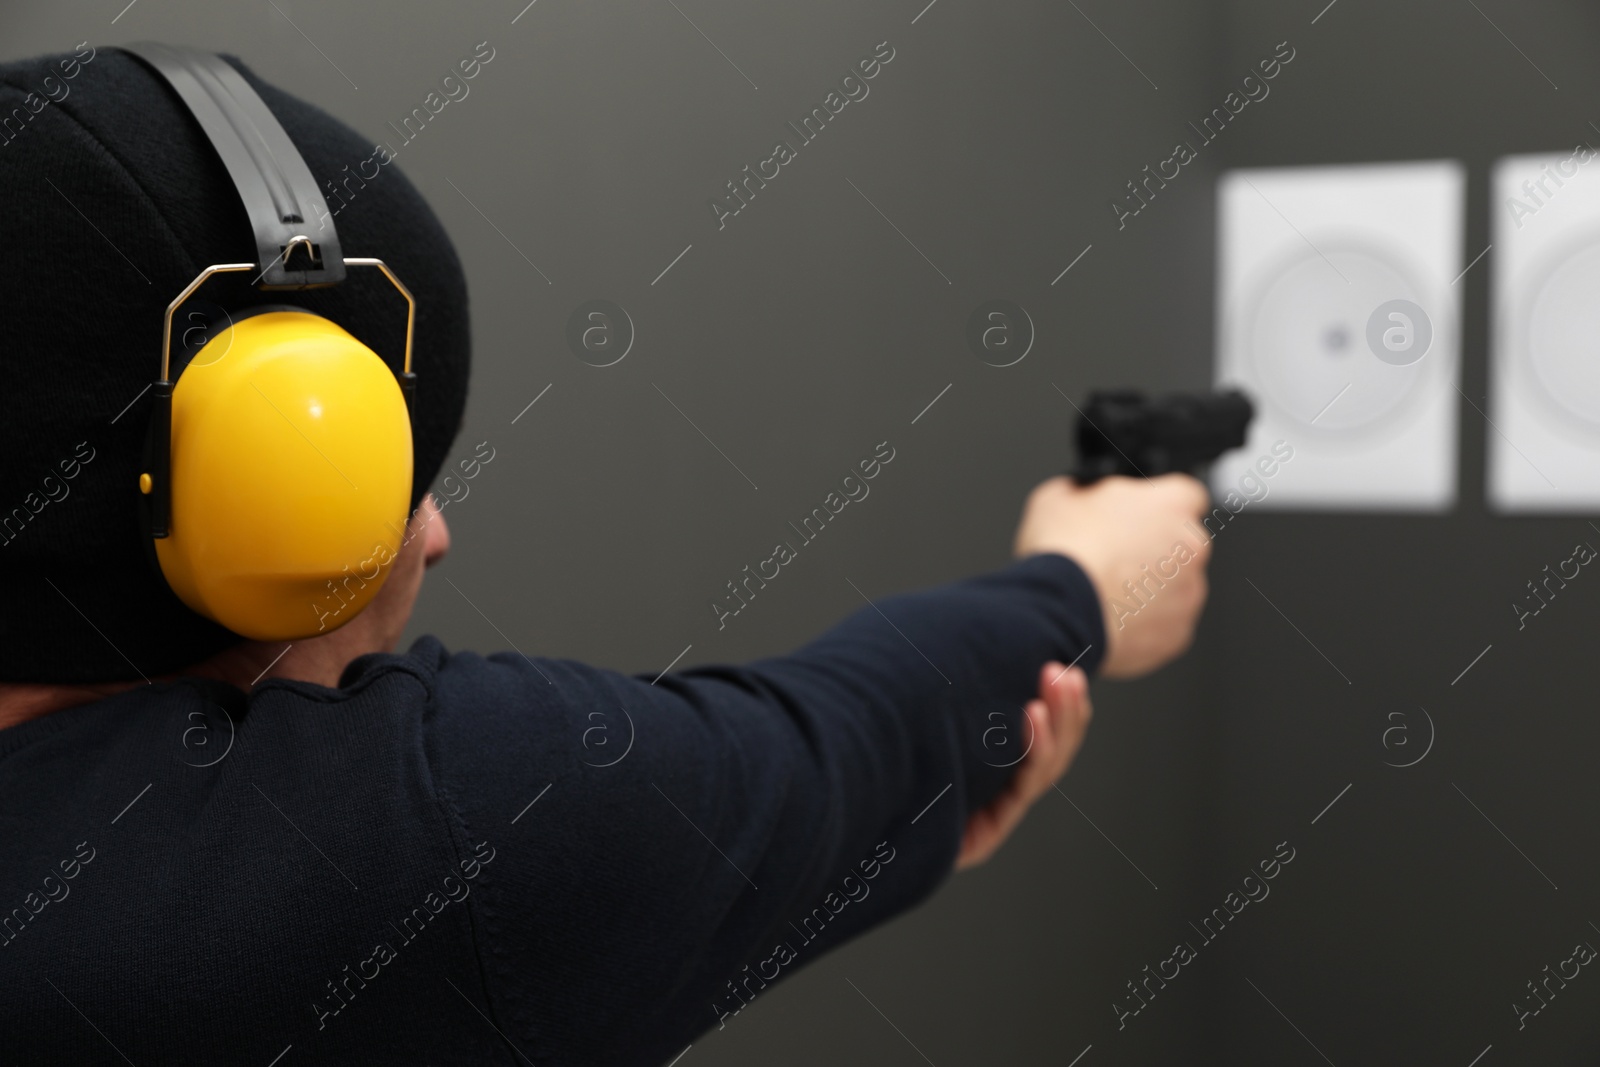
{"x":291,"y":477}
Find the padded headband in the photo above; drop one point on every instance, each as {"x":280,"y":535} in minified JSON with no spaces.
{"x":279,"y":194}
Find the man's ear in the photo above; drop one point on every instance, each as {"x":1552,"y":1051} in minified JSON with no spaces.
{"x":436,"y":533}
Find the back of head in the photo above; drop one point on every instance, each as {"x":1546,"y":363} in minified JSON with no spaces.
{"x":115,"y":202}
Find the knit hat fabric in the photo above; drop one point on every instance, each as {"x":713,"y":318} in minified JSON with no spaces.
{"x":114,"y":201}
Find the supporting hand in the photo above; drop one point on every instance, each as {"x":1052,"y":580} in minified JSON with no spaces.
{"x":1056,"y":723}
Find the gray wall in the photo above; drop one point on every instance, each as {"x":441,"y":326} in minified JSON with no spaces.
{"x":1412,"y":924}
{"x":808,"y":329}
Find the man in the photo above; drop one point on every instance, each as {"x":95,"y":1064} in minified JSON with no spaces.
{"x":219,"y":852}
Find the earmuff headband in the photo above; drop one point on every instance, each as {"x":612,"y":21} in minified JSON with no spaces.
{"x":274,"y":183}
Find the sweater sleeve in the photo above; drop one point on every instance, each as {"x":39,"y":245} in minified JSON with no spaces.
{"x":665,"y":850}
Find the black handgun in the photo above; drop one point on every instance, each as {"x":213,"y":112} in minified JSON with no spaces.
{"x":1125,"y":432}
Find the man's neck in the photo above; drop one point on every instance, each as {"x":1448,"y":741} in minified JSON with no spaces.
{"x":243,"y":666}
{"x":22,"y":701}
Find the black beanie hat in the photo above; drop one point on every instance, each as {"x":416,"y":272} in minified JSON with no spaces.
{"x":113,"y":201}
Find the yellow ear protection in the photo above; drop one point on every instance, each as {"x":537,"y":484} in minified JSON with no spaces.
{"x":277,"y":475}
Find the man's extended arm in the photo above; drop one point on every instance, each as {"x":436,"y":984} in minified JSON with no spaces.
{"x":762,"y":813}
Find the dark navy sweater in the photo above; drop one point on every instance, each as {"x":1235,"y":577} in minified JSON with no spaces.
{"x":458,"y":859}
